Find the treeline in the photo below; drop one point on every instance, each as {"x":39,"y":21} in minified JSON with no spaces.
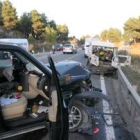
{"x":130,"y":34}
{"x":32,"y":25}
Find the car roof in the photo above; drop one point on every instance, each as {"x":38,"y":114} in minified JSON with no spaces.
{"x":103,"y":44}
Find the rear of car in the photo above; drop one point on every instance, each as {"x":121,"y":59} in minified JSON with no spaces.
{"x":58,"y":47}
{"x":69,"y":48}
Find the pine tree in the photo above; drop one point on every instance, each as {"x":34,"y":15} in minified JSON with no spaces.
{"x":132,"y":28}
{"x":1,"y":23}
{"x":25,"y":24}
{"x":37,"y":25}
{"x":62,"y":33}
{"x":9,"y":15}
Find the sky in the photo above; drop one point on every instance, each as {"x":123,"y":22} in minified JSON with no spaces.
{"x":83,"y":17}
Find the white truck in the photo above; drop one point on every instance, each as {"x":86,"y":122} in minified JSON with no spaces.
{"x":103,"y":57}
{"x":88,"y":42}
{"x":20,"y":41}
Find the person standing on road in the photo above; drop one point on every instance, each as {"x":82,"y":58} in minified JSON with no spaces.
{"x":53,"y":49}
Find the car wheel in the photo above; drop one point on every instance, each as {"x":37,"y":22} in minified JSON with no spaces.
{"x":78,"y":117}
{"x":63,"y":52}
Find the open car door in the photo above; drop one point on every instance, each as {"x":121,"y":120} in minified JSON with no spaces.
{"x":124,"y":60}
{"x":58,"y":113}
{"x":114,"y":62}
{"x":94,"y":60}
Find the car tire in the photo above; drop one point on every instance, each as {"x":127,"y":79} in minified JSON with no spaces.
{"x":84,"y":119}
{"x":63,"y":52}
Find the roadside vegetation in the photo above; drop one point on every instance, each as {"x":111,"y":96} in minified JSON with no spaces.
{"x":133,"y":77}
{"x":36,"y":27}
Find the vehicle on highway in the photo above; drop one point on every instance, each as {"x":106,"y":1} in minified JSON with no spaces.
{"x":78,"y":93}
{"x":83,"y":47}
{"x":27,"y":90}
{"x":88,"y":42}
{"x":30,"y":96}
{"x":58,"y":47}
{"x":103,"y":57}
{"x":69,"y":48}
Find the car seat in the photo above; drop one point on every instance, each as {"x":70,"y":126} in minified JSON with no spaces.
{"x":14,"y":109}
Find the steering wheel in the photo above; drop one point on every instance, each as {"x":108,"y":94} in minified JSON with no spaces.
{"x":58,"y":113}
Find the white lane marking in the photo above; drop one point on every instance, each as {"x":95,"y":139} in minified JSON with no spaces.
{"x":110,"y":135}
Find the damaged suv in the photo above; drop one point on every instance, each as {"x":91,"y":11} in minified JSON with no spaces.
{"x":35,"y":96}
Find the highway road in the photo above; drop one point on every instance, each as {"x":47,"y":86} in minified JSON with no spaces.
{"x":118,"y":128}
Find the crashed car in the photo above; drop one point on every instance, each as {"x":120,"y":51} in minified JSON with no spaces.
{"x":30,"y":99}
{"x":103,"y":58}
{"x":78,"y":93}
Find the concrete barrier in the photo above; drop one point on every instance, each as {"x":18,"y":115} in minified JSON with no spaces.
{"x":131,"y":101}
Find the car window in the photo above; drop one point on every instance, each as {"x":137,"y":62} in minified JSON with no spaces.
{"x":29,"y":65}
{"x":67,"y":45}
{"x":5,"y":59}
{"x":57,"y":45}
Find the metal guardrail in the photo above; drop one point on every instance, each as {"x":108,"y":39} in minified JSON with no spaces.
{"x":132,"y":101}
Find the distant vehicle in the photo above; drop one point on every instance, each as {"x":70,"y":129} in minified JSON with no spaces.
{"x":88,"y":42}
{"x":82,"y":46}
{"x":19,"y":41}
{"x":58,"y":47}
{"x":103,"y":57}
{"x":69,"y":48}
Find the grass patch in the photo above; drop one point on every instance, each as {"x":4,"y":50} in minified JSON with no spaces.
{"x":133,"y":77}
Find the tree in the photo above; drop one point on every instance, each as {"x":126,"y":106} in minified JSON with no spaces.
{"x":104,"y":35}
{"x":1,"y":23}
{"x":73,"y":40}
{"x":52,"y":24}
{"x":44,"y":19}
{"x":62,"y":33}
{"x":132,"y":28}
{"x":9,"y":15}
{"x":37,"y":24}
{"x":82,"y":39}
{"x":50,"y":34}
{"x":97,"y":36}
{"x":25,"y":24}
{"x":114,"y":35}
